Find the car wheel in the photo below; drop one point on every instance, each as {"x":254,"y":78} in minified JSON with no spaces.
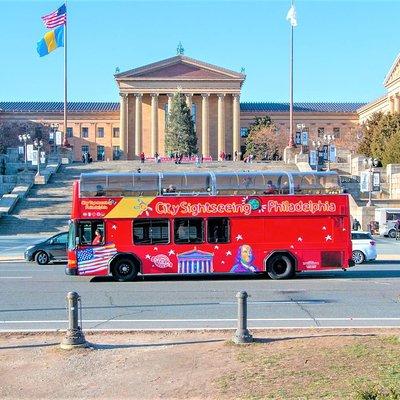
{"x":358,"y":257}
{"x":280,"y":267}
{"x":124,"y":270}
{"x":392,"y":233}
{"x":42,"y":258}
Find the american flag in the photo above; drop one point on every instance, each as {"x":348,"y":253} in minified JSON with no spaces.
{"x":56,"y":18}
{"x":95,"y":259}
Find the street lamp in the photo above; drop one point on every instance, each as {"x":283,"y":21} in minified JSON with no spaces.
{"x":54,"y":128}
{"x":329,"y":139}
{"x":317,"y":147}
{"x":369,"y":162}
{"x":38,"y":144}
{"x":25,"y":138}
{"x":300,"y":128}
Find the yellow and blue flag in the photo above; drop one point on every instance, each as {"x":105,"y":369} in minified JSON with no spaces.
{"x":51,"y":41}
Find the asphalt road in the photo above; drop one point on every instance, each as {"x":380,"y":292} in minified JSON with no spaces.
{"x":33,"y":298}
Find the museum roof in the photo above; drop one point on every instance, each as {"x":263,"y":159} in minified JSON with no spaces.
{"x":58,"y":107}
{"x":302,"y":107}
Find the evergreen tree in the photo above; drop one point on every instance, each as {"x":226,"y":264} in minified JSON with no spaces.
{"x":180,"y":135}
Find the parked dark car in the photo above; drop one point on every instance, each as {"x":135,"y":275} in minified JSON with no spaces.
{"x":52,"y":249}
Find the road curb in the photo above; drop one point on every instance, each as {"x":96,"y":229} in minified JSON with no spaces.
{"x":196,"y":330}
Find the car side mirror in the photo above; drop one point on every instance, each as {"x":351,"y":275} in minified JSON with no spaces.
{"x":77,"y":240}
{"x":51,"y":241}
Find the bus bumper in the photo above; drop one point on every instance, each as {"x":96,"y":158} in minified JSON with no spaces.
{"x":71,"y":271}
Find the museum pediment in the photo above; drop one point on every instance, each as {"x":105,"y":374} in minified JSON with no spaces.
{"x":180,"y":68}
{"x":394,"y":73}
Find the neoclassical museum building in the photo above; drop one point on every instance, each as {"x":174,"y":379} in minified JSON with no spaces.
{"x":137,"y":122}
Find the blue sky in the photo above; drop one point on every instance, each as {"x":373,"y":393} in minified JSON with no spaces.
{"x":343,"y":49}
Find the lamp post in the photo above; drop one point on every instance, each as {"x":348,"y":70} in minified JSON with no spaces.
{"x":317,"y":146}
{"x":25,"y":138}
{"x":38,"y":144}
{"x":54,"y":128}
{"x":300,"y":128}
{"x":329,"y":139}
{"x":369,"y":162}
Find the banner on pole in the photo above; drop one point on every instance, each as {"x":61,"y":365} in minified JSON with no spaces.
{"x":58,"y":138}
{"x":313,"y":157}
{"x":376,"y":181}
{"x":35,"y":157}
{"x":29,"y":152}
{"x":364,"y":181}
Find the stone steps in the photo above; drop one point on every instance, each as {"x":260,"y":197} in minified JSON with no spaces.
{"x":47,"y":208}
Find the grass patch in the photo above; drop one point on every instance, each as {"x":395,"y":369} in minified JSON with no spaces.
{"x":347,"y":367}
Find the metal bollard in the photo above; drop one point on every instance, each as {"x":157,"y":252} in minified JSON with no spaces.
{"x":74,"y":337}
{"x":242,"y":334}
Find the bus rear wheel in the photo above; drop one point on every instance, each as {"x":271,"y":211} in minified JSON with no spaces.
{"x":280,"y":267}
{"x":124,"y":270}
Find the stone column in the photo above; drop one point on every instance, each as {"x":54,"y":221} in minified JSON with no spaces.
{"x":170,"y":97}
{"x":221,"y":123}
{"x":397,"y":102}
{"x":205,"y":127}
{"x":138,"y":123}
{"x":122,"y":123}
{"x":391,"y":104}
{"x":189,"y":101}
{"x":154,"y":124}
{"x":236,"y":123}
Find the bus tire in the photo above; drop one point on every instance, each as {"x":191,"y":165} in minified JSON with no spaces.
{"x":392,"y":233}
{"x":280,"y":266}
{"x":124,"y":270}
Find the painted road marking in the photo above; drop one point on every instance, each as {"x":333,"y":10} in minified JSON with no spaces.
{"x":207,"y":320}
{"x":15,"y":277}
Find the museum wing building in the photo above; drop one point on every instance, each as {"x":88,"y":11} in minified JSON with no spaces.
{"x":137,"y":122}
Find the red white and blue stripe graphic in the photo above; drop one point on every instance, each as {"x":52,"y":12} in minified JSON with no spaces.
{"x":95,"y":259}
{"x":55,"y":18}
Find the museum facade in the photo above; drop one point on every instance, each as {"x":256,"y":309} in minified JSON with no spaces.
{"x":137,"y":122}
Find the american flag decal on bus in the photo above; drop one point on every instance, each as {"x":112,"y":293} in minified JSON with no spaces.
{"x":95,"y":259}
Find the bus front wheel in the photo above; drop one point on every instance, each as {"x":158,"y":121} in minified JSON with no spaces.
{"x":280,"y":266}
{"x":124,"y":270}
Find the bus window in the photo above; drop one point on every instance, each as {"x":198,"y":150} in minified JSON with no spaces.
{"x":91,"y":233}
{"x":150,"y":231}
{"x":188,"y":230}
{"x":218,"y":230}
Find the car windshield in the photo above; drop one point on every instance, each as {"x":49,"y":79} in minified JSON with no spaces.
{"x":361,"y":236}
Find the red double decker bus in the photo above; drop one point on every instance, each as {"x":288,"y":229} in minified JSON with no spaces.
{"x":278,"y":223}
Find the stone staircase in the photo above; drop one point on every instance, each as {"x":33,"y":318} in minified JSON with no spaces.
{"x":46,"y":209}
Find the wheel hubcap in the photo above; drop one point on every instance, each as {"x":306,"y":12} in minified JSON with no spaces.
{"x":357,"y":257}
{"x":124,"y":269}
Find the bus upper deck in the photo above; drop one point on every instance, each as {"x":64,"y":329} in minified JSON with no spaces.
{"x":135,"y":184}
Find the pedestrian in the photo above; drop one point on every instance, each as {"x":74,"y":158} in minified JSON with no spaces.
{"x":235,"y":156}
{"x":142,"y":157}
{"x":156,"y":157}
{"x":397,"y":227}
{"x":356,"y":225}
{"x":197,"y":161}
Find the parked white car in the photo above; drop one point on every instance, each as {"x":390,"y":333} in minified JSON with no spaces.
{"x":364,"y":247}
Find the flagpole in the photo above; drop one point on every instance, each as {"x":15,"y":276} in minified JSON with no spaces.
{"x":65,"y":143}
{"x":291,"y":142}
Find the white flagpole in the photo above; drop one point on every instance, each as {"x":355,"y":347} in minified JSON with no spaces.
{"x":65,"y":143}
{"x":291,"y":142}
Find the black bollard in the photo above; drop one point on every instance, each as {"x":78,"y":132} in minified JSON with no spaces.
{"x":74,"y":336}
{"x":242,"y":334}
